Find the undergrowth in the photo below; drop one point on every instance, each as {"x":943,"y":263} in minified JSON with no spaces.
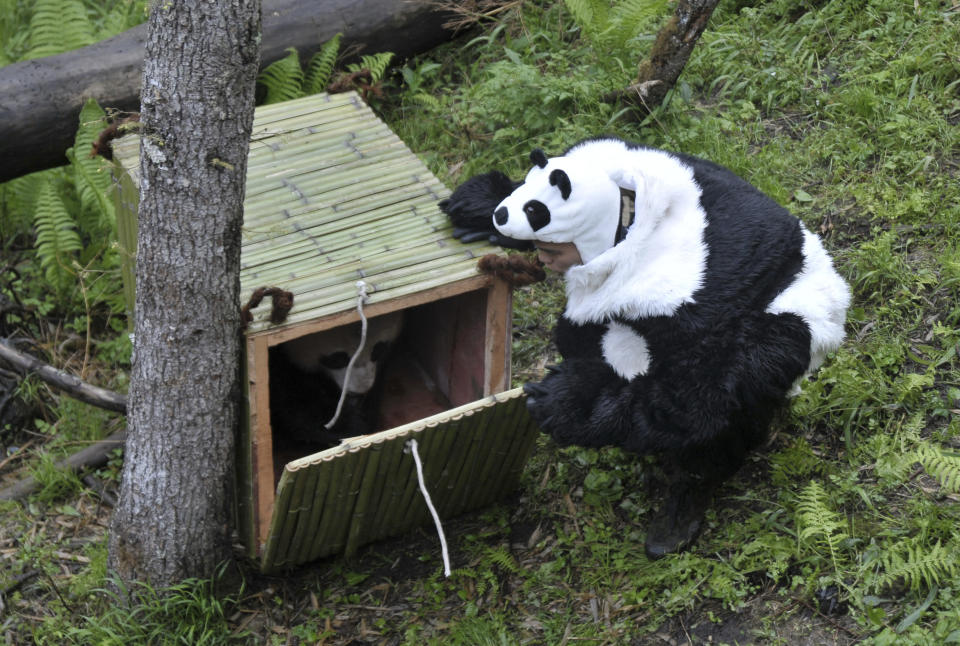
{"x":843,"y":529}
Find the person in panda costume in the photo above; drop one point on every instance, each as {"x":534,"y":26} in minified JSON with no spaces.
{"x":684,"y":330}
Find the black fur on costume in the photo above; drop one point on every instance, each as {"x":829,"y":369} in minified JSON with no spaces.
{"x":683,"y":339}
{"x":471,"y":205}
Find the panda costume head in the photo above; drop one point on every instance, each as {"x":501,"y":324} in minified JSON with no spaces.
{"x":563,"y":199}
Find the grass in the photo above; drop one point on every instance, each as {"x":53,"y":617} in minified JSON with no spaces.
{"x":842,"y":530}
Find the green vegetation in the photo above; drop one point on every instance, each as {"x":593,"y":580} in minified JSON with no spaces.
{"x":844,"y":529}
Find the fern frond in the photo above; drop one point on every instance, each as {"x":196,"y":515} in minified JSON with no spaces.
{"x":428,"y":101}
{"x":91,"y":176}
{"x":818,"y":524}
{"x":945,"y":468}
{"x":629,"y":18}
{"x":320,"y":69}
{"x":614,"y":27}
{"x":59,"y":26}
{"x":916,"y":565}
{"x":14,"y":39}
{"x":57,"y":239}
{"x":18,"y":197}
{"x":283,"y":78}
{"x":501,"y":556}
{"x":592,"y":16}
{"x":119,"y":17}
{"x":377,"y":64}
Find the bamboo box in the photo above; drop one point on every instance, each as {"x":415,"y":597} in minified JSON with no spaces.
{"x":333,"y":196}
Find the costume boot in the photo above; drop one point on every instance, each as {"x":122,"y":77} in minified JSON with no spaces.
{"x":676,"y":524}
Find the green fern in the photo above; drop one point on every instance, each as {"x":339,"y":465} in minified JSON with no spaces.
{"x":320,"y":69}
{"x":59,"y":26}
{"x":119,"y":16}
{"x":376,"y":64}
{"x":818,"y":525}
{"x":612,"y":28}
{"x":17,"y":200}
{"x":57,"y":238}
{"x":591,"y":15}
{"x":630,"y":19}
{"x":915,"y":564}
{"x":92,"y":176}
{"x":283,"y":79}
{"x":942,"y":466}
{"x":14,"y":39}
{"x":502,"y":557}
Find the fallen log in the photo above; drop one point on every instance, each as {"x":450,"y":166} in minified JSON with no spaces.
{"x":42,"y":97}
{"x":64,"y":381}
{"x":95,"y":455}
{"x":92,"y":457}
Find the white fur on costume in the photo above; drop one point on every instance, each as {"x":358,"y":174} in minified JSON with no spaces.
{"x":660,"y":264}
{"x":625,"y":351}
{"x":820,"y":297}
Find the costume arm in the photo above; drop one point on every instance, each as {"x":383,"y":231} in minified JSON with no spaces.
{"x":470,"y":209}
{"x":584,"y":402}
{"x":689,"y":400}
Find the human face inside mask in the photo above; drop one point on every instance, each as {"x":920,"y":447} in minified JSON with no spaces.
{"x":558,"y":256}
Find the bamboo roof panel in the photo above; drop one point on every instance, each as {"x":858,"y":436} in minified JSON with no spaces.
{"x":333,"y":196}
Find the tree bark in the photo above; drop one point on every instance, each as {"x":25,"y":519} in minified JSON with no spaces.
{"x":658,"y":73}
{"x":173,"y":519}
{"x":42,"y":97}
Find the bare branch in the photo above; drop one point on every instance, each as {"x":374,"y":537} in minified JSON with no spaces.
{"x":73,"y":386}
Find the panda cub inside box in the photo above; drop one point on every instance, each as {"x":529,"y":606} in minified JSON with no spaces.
{"x":415,"y":362}
{"x":308,"y":374}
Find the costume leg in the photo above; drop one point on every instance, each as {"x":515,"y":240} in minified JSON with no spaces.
{"x":692,"y":480}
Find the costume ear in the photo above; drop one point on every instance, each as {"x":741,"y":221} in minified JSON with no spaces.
{"x":560,"y":179}
{"x":538,"y":157}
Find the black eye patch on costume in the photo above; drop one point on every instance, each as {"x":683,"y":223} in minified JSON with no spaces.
{"x":501,"y":215}
{"x":335,"y":361}
{"x":560,"y":179}
{"x":538,"y":215}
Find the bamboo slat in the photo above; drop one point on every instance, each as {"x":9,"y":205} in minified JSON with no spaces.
{"x":325,"y":525}
{"x":364,"y":499}
{"x":345,"y":503}
{"x":366,"y":489}
{"x":280,"y":504}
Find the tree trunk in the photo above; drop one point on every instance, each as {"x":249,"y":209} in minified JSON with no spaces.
{"x":669,"y":55}
{"x":42,"y":97}
{"x":173,"y":518}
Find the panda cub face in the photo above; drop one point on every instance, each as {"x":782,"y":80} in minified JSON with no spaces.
{"x":562,"y":200}
{"x":330,"y":351}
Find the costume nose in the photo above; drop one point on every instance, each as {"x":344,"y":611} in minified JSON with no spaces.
{"x":501,"y":215}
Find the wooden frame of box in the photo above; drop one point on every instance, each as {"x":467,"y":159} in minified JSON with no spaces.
{"x":333,"y":197}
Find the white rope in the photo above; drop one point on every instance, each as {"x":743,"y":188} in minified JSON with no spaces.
{"x":361,"y":299}
{"x":412,"y":445}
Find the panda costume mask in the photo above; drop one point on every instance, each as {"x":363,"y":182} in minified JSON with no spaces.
{"x":682,"y":339}
{"x":549,"y":207}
